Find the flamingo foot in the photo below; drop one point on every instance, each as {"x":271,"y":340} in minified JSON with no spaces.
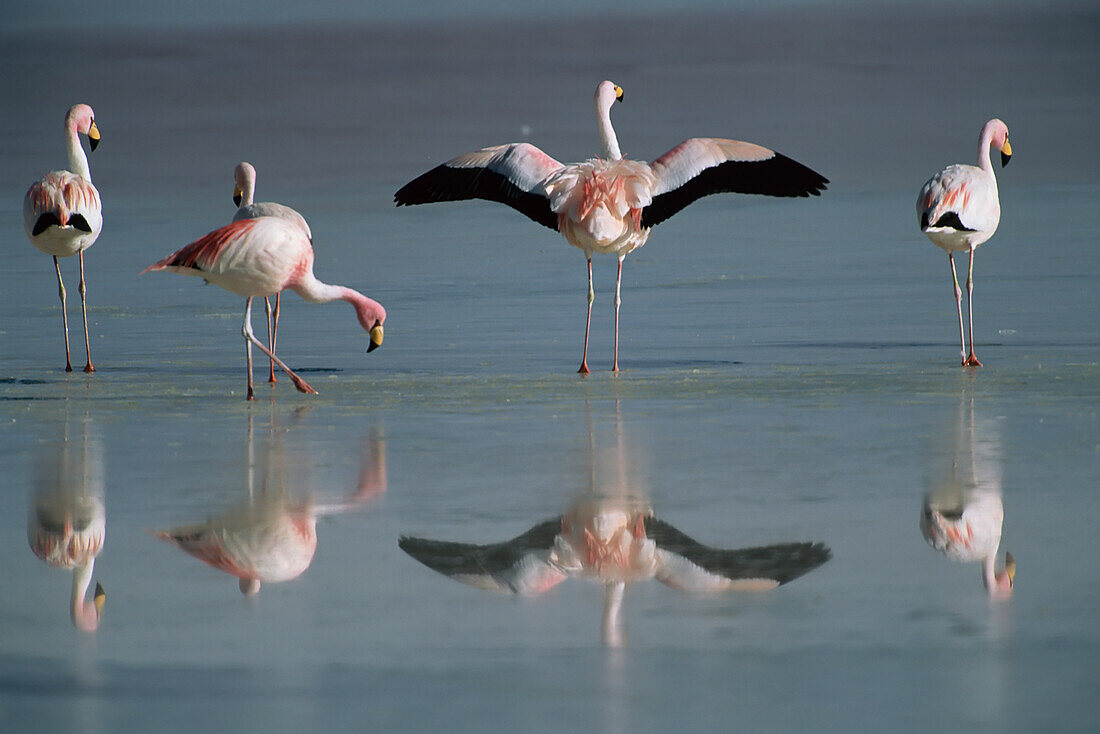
{"x":584,"y":368}
{"x":971,"y":361}
{"x":68,"y":367}
{"x":89,"y":367}
{"x":271,"y":378}
{"x":303,"y":386}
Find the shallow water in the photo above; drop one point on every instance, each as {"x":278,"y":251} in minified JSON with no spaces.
{"x":789,"y":375}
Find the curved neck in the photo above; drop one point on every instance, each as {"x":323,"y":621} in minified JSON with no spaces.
{"x":984,"y":142}
{"x":78,"y":161}
{"x":84,"y":615}
{"x":609,"y":144}
{"x":367,"y":310}
{"x":612,"y":627}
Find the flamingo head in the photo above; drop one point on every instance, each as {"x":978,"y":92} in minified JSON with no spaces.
{"x":249,"y":587}
{"x":607,"y":93}
{"x":244,"y":178}
{"x":371,"y":317}
{"x":82,"y":119}
{"x":1001,"y":585}
{"x":999,"y":139}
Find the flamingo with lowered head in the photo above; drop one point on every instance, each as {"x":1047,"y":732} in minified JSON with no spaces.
{"x":609,"y":204}
{"x":261,"y":257}
{"x":959,"y":209}
{"x":63,"y":215}
{"x":244,"y":191}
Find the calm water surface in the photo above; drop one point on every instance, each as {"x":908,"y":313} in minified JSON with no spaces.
{"x":789,"y":376}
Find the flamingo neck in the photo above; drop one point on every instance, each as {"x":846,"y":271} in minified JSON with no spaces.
{"x":84,"y":614}
{"x":609,"y":143}
{"x":78,"y":161}
{"x":984,"y":142}
{"x":611,"y":627}
{"x":368,"y":311}
{"x":246,"y":182}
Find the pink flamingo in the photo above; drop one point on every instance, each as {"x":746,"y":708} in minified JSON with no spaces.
{"x":272,"y":537}
{"x":610,"y":535}
{"x":261,"y":257}
{"x":959,"y":209}
{"x":63,"y":215}
{"x":67,"y":525}
{"x":609,"y":204}
{"x":244,"y":190}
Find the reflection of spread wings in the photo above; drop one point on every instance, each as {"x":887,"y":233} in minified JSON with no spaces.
{"x":516,"y":566}
{"x":691,"y":566}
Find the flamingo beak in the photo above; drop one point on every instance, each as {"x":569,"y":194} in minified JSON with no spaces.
{"x":1010,"y":568}
{"x":237,"y":195}
{"x":375,"y":338}
{"x":93,"y":136}
{"x":1006,"y":153}
{"x":99,"y":599}
{"x":618,"y":93}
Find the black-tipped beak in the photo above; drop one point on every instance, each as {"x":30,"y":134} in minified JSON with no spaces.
{"x":93,"y":136}
{"x":237,"y":198}
{"x":375,"y":338}
{"x":1005,"y":158}
{"x":99,"y":598}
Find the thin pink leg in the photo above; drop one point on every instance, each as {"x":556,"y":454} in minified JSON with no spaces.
{"x":618,"y":300}
{"x":275,"y":333}
{"x":64,"y":314}
{"x":588,"y":321}
{"x":84,"y":311}
{"x":246,"y":331}
{"x":972,"y":360}
{"x":248,"y":345}
{"x":271,"y":332}
{"x":958,"y":305}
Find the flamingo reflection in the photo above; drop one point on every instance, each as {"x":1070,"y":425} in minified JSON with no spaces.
{"x":67,"y":520}
{"x":271,"y":536}
{"x":610,"y":535}
{"x":963,"y":513}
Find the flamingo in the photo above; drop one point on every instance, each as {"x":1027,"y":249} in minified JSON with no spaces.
{"x":63,"y":215}
{"x":963,"y":514}
{"x":244,"y":189}
{"x":610,"y":535}
{"x":261,"y":257}
{"x":67,"y":525}
{"x":609,"y":204}
{"x":959,"y":209}
{"x":272,"y":537}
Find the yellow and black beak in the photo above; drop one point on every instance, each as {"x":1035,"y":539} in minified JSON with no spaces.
{"x":99,"y":599}
{"x":93,"y":136}
{"x":375,"y":338}
{"x":618,"y":93}
{"x":1010,"y":569}
{"x":237,"y":195}
{"x":1006,"y":153}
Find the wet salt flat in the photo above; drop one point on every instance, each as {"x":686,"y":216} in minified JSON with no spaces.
{"x":789,"y":375}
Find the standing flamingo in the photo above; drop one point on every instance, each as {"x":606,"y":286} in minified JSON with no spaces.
{"x":261,"y":257}
{"x":609,"y":204}
{"x":271,"y":536}
{"x":244,"y":189}
{"x":610,"y":535}
{"x":959,"y":209}
{"x":67,"y":523}
{"x":63,"y":215}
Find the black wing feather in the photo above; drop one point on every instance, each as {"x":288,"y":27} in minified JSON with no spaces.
{"x":47,"y":220}
{"x":444,"y":183}
{"x":469,"y":559}
{"x":782,"y":563}
{"x":775,"y":176}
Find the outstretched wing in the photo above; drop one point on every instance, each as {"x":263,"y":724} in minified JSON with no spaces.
{"x":702,"y":166}
{"x":692,"y":566}
{"x":516,"y":566}
{"x":511,"y":174}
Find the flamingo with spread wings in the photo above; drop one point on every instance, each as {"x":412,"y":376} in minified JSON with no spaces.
{"x":609,"y":204}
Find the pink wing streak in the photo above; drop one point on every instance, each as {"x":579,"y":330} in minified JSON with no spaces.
{"x":203,"y":253}
{"x":62,"y":213}
{"x":523,"y":164}
{"x":599,"y":203}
